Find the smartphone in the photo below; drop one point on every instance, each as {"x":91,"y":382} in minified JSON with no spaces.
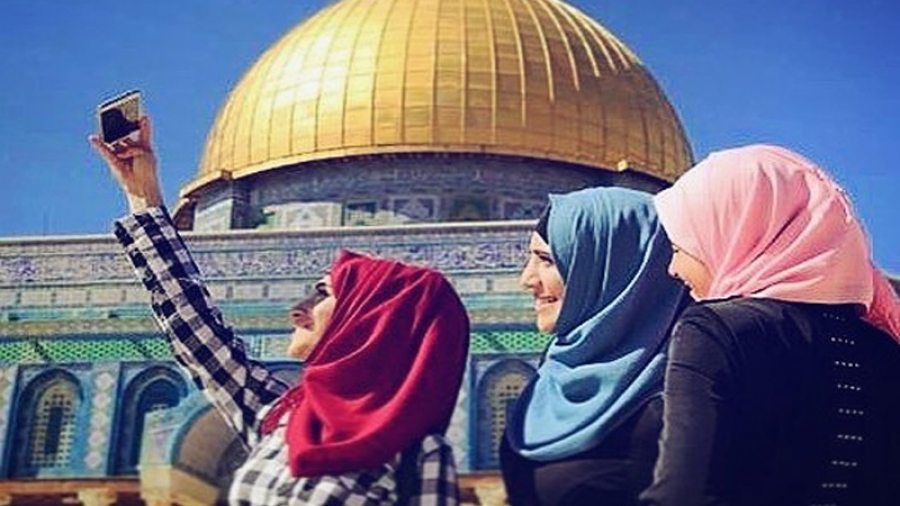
{"x":119,"y":117}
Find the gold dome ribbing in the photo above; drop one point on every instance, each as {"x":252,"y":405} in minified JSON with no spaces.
{"x":534,"y":78}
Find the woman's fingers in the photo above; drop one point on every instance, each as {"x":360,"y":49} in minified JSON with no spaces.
{"x":146,"y":132}
{"x":132,"y":151}
{"x":108,"y":155}
{"x":101,"y":147}
{"x":133,"y":165}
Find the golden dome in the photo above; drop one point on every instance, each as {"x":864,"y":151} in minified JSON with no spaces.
{"x":533,"y":78}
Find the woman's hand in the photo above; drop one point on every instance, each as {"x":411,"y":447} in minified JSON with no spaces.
{"x":133,"y":165}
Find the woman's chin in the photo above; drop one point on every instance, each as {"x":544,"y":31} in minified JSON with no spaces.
{"x":545,"y":326}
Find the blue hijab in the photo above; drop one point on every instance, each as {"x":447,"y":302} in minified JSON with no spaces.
{"x":609,"y":353}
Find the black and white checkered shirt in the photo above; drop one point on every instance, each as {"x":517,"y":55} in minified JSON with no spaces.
{"x":243,"y":389}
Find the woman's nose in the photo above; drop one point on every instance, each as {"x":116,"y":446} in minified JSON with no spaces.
{"x":671,"y":269}
{"x":528,"y":277}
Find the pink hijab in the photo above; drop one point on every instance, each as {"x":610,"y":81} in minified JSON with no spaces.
{"x":766,"y":222}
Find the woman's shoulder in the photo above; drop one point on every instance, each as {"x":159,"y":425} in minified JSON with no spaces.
{"x":744,"y":321}
{"x":741,"y":312}
{"x":788,"y":323}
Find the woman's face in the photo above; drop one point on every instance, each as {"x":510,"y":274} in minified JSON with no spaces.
{"x":310,"y":323}
{"x":541,"y":277}
{"x":691,"y":271}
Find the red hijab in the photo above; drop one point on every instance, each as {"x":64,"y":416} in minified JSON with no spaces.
{"x":385,"y":374}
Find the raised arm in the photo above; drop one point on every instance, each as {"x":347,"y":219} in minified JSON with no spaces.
{"x":133,"y":164}
{"x":203,"y":344}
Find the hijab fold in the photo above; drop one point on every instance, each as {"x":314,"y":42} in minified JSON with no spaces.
{"x":385,"y":374}
{"x":607,"y":358}
{"x":768,"y":223}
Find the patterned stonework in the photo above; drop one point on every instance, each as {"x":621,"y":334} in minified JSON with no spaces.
{"x":74,"y":304}
{"x":7,"y":380}
{"x":95,"y":261}
{"x":104,"y":382}
{"x":458,"y":432}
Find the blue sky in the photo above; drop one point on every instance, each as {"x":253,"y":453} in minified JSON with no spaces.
{"x":817,"y":76}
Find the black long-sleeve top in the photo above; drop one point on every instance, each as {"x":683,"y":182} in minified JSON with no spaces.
{"x":776,"y":403}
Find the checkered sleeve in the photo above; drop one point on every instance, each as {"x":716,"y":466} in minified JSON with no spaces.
{"x":201,"y":341}
{"x":437,"y":485}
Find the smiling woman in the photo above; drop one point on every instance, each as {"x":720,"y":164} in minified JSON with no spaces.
{"x":691,"y":271}
{"x":781,"y":382}
{"x":585,"y":429}
{"x":541,"y":277}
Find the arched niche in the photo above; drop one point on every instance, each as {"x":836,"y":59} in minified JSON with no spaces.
{"x":158,"y":387}
{"x":498,"y":389}
{"x":49,"y":415}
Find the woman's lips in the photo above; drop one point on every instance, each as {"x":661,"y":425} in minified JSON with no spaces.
{"x":542,"y":302}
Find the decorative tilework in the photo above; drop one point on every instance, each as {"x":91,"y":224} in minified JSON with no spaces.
{"x":301,"y":215}
{"x":506,"y":283}
{"x":264,"y":255}
{"x":247,"y":291}
{"x":359,"y":184}
{"x":470,"y":208}
{"x":48,"y":417}
{"x":458,"y":432}
{"x":497,"y":389}
{"x":215,"y":217}
{"x":71,"y":297}
{"x":8,"y":297}
{"x":506,"y":342}
{"x":37,"y":298}
{"x":107,"y":296}
{"x":98,"y":312}
{"x":100,"y":429}
{"x":135,"y":294}
{"x":53,"y":429}
{"x":94,"y":459}
{"x":148,"y":388}
{"x":360,"y":213}
{"x":103,"y":382}
{"x":154,"y":447}
{"x":414,"y":208}
{"x":7,"y":382}
{"x":262,"y":345}
{"x":216,"y":196}
{"x":163,"y":428}
{"x":288,"y":290}
{"x":18,"y":351}
{"x":469,"y":284}
{"x":518,"y":209}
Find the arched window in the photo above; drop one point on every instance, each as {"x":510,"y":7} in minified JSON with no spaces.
{"x":47,"y":424}
{"x":497,"y":392}
{"x":154,"y":389}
